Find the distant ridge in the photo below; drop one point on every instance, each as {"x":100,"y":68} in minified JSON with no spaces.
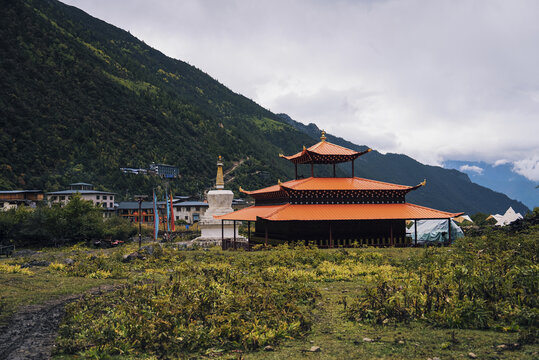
{"x":81,"y":98}
{"x":500,"y":177}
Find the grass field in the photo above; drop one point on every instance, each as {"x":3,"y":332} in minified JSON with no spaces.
{"x":207,"y":304}
{"x":341,"y":339}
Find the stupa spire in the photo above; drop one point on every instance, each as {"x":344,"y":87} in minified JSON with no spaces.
{"x":220,"y":180}
{"x":323,"y":137}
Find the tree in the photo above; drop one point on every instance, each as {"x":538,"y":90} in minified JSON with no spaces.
{"x":83,"y":220}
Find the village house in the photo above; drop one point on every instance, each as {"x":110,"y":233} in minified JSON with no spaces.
{"x":12,"y":199}
{"x":164,"y":170}
{"x":129,"y":210}
{"x":103,"y":199}
{"x":189,"y":211}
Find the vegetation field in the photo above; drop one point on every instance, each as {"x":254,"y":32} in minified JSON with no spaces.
{"x":475,"y":299}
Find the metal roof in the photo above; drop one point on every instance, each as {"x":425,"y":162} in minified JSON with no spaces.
{"x":191,"y":203}
{"x":128,"y":205}
{"x":333,"y":212}
{"x":163,"y":165}
{"x":81,"y":183}
{"x":82,"y":192}
{"x":20,"y":191}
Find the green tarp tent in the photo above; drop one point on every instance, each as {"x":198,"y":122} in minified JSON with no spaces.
{"x":434,"y":231}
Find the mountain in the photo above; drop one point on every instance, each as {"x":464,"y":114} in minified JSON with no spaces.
{"x":499,"y":178}
{"x":446,"y":189}
{"x":81,"y":98}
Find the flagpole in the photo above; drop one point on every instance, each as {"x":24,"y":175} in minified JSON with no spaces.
{"x":140,"y":198}
{"x":155,"y":217}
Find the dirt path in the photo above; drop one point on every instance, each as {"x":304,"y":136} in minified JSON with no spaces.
{"x":235,"y":165}
{"x":31,"y":331}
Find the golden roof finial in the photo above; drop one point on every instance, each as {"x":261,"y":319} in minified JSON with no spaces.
{"x":323,"y":137}
{"x":241,"y":190}
{"x":220,"y":179}
{"x":279,"y":181}
{"x":424,"y":182}
{"x":304,"y":148}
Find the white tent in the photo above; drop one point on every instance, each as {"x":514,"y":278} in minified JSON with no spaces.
{"x":507,"y":218}
{"x":434,"y":231}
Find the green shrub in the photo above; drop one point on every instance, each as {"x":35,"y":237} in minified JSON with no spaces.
{"x":203,"y":305}
{"x":78,"y":220}
{"x":119,"y":228}
{"x":483,"y":282}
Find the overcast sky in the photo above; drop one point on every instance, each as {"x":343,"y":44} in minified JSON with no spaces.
{"x":435,"y":80}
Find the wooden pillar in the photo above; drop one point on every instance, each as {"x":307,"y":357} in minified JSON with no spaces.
{"x":296,"y":166}
{"x":330,"y":236}
{"x":391,"y":242}
{"x":352,"y":168}
{"x":266,"y":236}
{"x":223,"y":235}
{"x":248,"y":235}
{"x":415,"y":229}
{"x":449,"y":229}
{"x":334,"y":170}
{"x":312,"y":169}
{"x":234,"y":234}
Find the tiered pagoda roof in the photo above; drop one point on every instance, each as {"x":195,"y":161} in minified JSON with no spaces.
{"x":332,"y":198}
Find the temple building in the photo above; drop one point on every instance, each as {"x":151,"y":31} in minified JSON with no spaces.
{"x":333,"y":211}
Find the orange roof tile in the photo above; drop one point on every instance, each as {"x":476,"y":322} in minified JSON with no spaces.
{"x":322,"y":152}
{"x":355,"y":183}
{"x":251,"y":213}
{"x":275,"y":188}
{"x":330,"y":212}
{"x":315,"y":183}
{"x":327,"y":148}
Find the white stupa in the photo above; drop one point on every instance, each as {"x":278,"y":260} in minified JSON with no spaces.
{"x":220,"y":203}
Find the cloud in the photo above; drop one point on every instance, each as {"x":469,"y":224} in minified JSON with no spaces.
{"x":500,"y":162}
{"x":471,"y":168}
{"x":436,"y":80}
{"x":528,"y":167}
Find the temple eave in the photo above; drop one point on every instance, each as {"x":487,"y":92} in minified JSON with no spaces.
{"x":337,"y":212}
{"x":315,"y":158}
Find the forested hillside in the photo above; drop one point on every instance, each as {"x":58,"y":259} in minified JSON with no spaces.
{"x":81,"y":98}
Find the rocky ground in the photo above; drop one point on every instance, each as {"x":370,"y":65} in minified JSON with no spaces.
{"x":30,"y":333}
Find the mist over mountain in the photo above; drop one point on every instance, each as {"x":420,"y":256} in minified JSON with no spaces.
{"x":82,"y":98}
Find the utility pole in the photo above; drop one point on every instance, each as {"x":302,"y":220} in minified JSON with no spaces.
{"x":140,"y":199}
